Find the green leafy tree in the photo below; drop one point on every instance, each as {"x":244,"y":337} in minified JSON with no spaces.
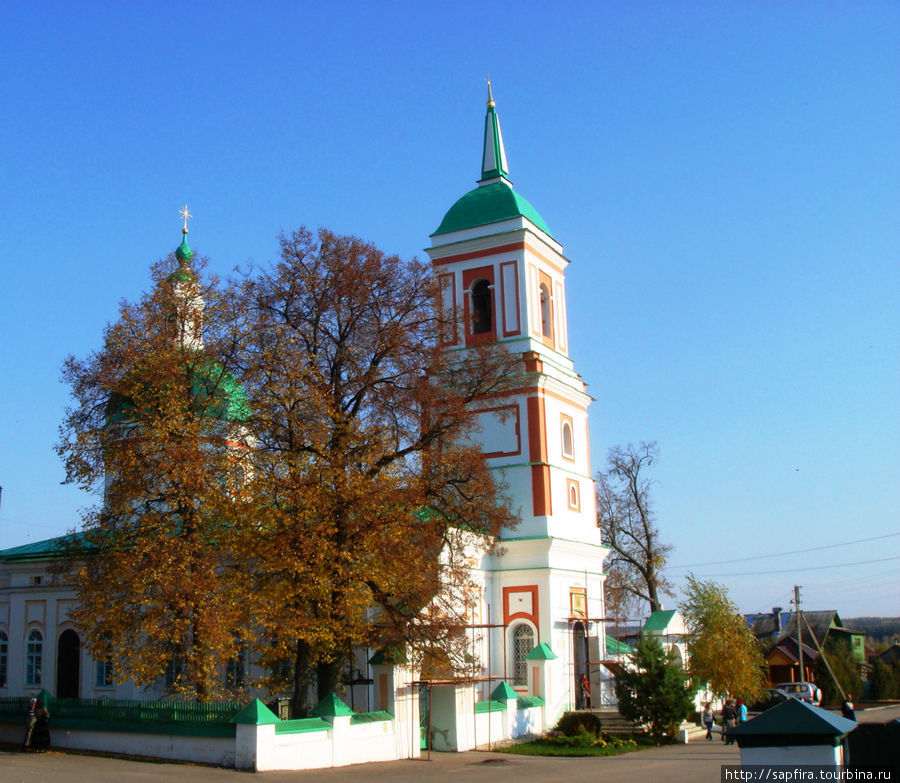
{"x":844,"y":669}
{"x":723,"y":653}
{"x":654,"y":690}
{"x":884,"y":682}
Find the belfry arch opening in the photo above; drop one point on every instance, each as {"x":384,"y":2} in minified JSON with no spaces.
{"x":482,"y":307}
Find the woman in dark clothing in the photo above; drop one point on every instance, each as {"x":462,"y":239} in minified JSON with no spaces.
{"x":40,"y":737}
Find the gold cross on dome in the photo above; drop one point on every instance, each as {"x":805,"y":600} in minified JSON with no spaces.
{"x":185,"y":214}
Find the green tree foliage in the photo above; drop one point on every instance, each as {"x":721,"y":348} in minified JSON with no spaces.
{"x":884,"y":681}
{"x":654,"y":690}
{"x":626,"y":516}
{"x":155,"y":429}
{"x":845,"y":670}
{"x":723,"y":653}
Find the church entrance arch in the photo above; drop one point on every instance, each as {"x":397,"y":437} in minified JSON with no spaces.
{"x":68,"y":654}
{"x":580,"y":665}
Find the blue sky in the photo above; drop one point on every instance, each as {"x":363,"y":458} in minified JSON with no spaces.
{"x":723,"y":176}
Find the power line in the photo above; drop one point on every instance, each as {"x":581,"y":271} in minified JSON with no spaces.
{"x":782,"y":554}
{"x":805,"y":568}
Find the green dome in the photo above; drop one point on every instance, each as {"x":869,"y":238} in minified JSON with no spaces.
{"x":215,"y":390}
{"x":489,"y":204}
{"x":183,"y":252}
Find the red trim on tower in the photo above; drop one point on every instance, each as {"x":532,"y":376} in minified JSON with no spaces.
{"x":537,"y":453}
{"x":489,"y":251}
{"x":533,"y":615}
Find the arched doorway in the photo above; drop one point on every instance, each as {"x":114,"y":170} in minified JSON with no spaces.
{"x":580,"y":663}
{"x":68,"y":655}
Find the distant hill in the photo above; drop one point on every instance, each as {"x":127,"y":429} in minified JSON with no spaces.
{"x":879,"y":629}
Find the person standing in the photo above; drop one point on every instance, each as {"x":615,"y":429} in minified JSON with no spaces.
{"x":707,"y":718}
{"x":40,"y":738}
{"x":741,"y":711}
{"x":29,"y":724}
{"x":847,"y":708}
{"x":728,"y":717}
{"x":585,"y":692}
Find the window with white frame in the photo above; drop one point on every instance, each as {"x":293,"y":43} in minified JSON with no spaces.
{"x":103,"y":674}
{"x":34,"y":655}
{"x":522,"y":644}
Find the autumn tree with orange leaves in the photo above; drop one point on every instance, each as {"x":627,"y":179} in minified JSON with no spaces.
{"x":157,"y":429}
{"x":287,"y":466}
{"x":368,"y":488}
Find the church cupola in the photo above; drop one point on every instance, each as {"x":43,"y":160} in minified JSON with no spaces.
{"x":494,"y":200}
{"x":188,"y":303}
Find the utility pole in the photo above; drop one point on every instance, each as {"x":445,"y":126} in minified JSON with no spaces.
{"x":799,"y":632}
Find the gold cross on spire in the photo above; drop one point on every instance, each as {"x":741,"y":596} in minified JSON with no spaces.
{"x":185,"y":214}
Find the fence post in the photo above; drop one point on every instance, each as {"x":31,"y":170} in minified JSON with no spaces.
{"x":254,"y":737}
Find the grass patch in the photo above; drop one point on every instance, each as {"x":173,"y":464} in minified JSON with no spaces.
{"x":582,"y":744}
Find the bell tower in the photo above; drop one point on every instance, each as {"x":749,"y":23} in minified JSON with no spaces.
{"x":502,"y":275}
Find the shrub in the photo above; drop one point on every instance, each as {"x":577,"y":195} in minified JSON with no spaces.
{"x":573,"y":723}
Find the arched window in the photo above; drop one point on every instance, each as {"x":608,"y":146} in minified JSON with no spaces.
{"x":522,"y":644}
{"x":568,"y":448}
{"x":34,"y":655}
{"x":546,"y":313}
{"x":482,"y":307}
{"x":574,"y":494}
{"x":4,"y":648}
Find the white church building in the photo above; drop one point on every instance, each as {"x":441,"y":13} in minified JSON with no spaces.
{"x":538,"y":625}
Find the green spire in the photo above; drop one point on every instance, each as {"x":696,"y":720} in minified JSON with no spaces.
{"x":493,"y":161}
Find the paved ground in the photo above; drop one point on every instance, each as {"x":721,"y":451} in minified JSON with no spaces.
{"x":695,"y":762}
{"x":692,"y":763}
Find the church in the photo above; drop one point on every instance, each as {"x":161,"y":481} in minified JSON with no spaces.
{"x":538,"y":625}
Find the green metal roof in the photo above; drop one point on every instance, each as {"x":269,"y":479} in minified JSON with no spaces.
{"x":494,"y":199}
{"x":330,"y":706}
{"x":793,"y":722}
{"x":215,"y":389}
{"x":493,"y":158}
{"x":503,"y":692}
{"x":541,"y":653}
{"x":489,"y":204}
{"x":658,"y":621}
{"x":184,"y":253}
{"x":615,"y":647}
{"x":42,"y":550}
{"x":255,"y":714}
{"x":388,"y":656}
